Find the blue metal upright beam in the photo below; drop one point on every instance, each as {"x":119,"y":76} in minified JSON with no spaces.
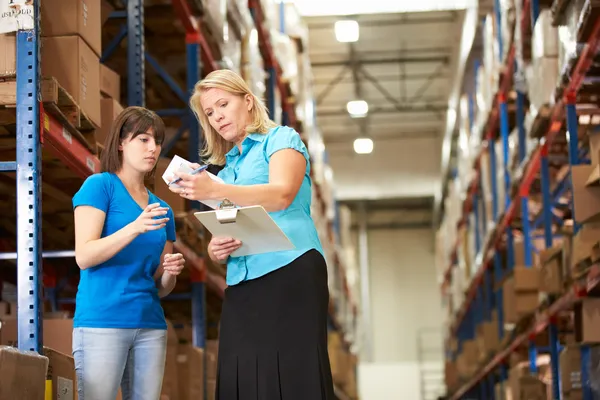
{"x":585,"y":372}
{"x":535,"y":12}
{"x":29,"y":194}
{"x":271,"y":87}
{"x":136,"y":82}
{"x":521,"y":125}
{"x":493,"y":181}
{"x":554,"y":360}
{"x":498,"y":14}
{"x":194,"y":66}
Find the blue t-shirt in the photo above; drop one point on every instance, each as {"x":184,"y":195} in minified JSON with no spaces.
{"x":121,"y":292}
{"x":251,"y":167}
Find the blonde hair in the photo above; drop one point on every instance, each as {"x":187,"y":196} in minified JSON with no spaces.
{"x":215,"y":146}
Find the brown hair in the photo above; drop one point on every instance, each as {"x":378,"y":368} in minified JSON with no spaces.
{"x":215,"y":146}
{"x":131,"y":122}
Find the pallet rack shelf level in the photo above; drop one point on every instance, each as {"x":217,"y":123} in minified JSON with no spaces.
{"x":481,"y":297}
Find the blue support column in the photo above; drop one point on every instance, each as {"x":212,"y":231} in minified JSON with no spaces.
{"x":572,"y":138}
{"x":494,"y":183}
{"x":136,"y":82}
{"x":547,"y":205}
{"x":535,"y":12}
{"x":271,"y":87}
{"x":194,"y":66}
{"x":195,"y":143}
{"x":532,"y":357}
{"x":521,"y":125}
{"x":498,"y":14}
{"x":526,"y":231}
{"x":198,"y":314}
{"x":504,"y":133}
{"x":29,"y":194}
{"x":554,"y":357}
{"x":477,"y":231}
{"x":585,"y":372}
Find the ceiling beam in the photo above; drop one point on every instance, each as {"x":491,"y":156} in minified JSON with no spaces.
{"x":397,"y":60}
{"x":341,"y":139}
{"x":382,"y":78}
{"x":381,"y":110}
{"x":381,"y":23}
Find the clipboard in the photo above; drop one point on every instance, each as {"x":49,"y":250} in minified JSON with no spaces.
{"x":252,"y":225}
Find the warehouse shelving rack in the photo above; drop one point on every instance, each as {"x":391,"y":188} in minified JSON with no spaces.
{"x":481,"y":296}
{"x":35,"y":128}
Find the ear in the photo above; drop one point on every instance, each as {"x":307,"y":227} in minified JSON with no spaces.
{"x":249,"y":102}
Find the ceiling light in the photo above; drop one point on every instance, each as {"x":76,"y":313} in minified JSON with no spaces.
{"x":346,"y":31}
{"x":357,"y":108}
{"x":363,"y":146}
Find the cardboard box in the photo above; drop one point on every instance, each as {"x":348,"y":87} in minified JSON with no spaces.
{"x":531,"y":388}
{"x":551,"y":273}
{"x":58,"y":334}
{"x":73,"y":18}
{"x":569,"y":362}
{"x":212,"y":352}
{"x":110,"y":110}
{"x":190,"y":366}
{"x":110,"y":83}
{"x":170,"y":386}
{"x":586,"y":199}
{"x":23,"y":374}
{"x":544,"y":39}
{"x":587,"y":321}
{"x":8,"y":55}
{"x":60,"y":377}
{"x":77,"y":69}
{"x":517,"y":304}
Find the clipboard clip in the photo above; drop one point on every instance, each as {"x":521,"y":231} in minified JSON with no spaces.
{"x":227,"y":212}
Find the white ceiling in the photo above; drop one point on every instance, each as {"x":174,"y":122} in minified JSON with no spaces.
{"x":403,"y":66}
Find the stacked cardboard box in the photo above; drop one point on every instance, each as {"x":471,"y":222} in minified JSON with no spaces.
{"x":110,"y":106}
{"x":71,"y":48}
{"x":23,"y":374}
{"x":542,"y":74}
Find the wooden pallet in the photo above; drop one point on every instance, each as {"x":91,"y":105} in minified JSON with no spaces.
{"x":57,"y":102}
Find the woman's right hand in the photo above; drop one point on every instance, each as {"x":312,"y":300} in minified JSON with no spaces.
{"x":221,"y":247}
{"x":147,"y":220}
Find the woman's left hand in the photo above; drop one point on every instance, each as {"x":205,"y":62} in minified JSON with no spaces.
{"x":173,"y":263}
{"x":194,"y":187}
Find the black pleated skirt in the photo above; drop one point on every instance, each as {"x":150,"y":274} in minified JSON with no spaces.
{"x":273,"y":335}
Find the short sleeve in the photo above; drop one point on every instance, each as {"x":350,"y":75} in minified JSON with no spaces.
{"x":285,"y":138}
{"x":94,"y":192}
{"x":170,"y":227}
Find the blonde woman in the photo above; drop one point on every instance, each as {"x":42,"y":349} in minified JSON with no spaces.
{"x":273,"y":340}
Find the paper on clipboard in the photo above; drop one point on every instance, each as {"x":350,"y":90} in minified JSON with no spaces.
{"x":251,"y":225}
{"x":179,"y":164}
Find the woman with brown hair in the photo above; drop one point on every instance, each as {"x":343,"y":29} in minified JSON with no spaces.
{"x":124,"y":238}
{"x":273,"y":335}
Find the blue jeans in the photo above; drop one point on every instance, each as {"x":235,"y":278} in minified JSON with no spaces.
{"x":132,"y":358}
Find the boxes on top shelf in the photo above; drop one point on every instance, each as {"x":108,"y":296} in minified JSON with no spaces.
{"x":77,"y":69}
{"x":8,"y":55}
{"x":544,"y":39}
{"x":507,"y":22}
{"x":215,"y":17}
{"x":110,"y":83}
{"x":73,"y":18}
{"x":252,"y":64}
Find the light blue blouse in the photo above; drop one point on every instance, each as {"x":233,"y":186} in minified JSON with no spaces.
{"x":251,"y":167}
